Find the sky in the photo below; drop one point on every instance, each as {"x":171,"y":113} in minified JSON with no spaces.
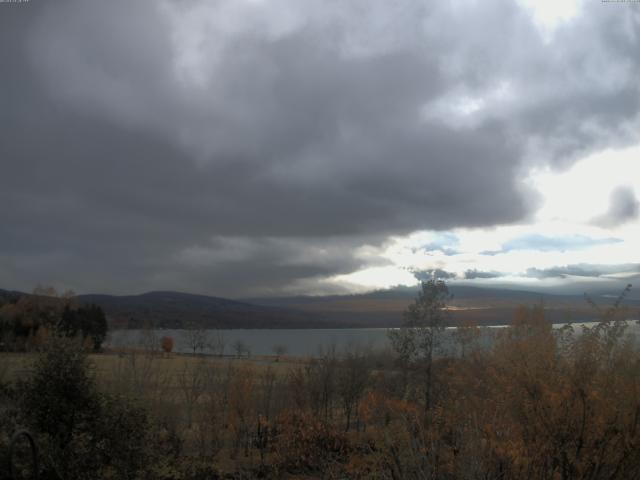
{"x":243,"y":148}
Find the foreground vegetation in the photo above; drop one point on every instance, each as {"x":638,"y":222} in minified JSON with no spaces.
{"x":539,"y":404}
{"x":27,"y":321}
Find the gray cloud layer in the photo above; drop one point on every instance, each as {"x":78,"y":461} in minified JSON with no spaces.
{"x":472,"y":274}
{"x":584,"y":270}
{"x":624,"y":207}
{"x":433,"y":274}
{"x":131,"y":147}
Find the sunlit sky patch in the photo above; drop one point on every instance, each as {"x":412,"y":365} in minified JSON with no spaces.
{"x":550,"y":14}
{"x":564,"y":233}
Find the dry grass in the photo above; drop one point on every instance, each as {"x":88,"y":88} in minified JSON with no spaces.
{"x":15,"y":365}
{"x":109,"y":364}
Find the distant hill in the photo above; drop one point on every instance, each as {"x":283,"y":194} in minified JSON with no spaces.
{"x":176,"y":310}
{"x":459,"y":292}
{"x":486,"y":306}
{"x":384,"y":308}
{"x":9,"y":295}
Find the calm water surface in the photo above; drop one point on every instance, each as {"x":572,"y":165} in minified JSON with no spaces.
{"x":298,"y":342}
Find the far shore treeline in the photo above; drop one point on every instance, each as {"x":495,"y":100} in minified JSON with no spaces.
{"x":27,"y":321}
{"x":378,"y":309}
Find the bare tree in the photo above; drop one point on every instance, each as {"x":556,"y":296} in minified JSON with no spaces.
{"x":149,"y":340}
{"x":192,"y":383}
{"x":416,"y":341}
{"x":210,"y":419}
{"x":196,"y":338}
{"x":216,"y":343}
{"x":140,"y":376}
{"x":320,"y":379}
{"x":352,"y":381}
{"x":279,"y":350}
{"x":240,"y":348}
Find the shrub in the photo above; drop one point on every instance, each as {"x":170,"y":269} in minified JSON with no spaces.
{"x":82,"y":433}
{"x":303,"y":444}
{"x":166,"y":343}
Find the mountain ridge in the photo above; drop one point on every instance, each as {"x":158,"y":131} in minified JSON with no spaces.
{"x":380,"y":308}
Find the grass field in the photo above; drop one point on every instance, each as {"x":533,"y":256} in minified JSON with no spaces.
{"x":105,"y":365}
{"x":187,"y":394}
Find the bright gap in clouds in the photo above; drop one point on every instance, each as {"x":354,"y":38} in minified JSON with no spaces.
{"x":549,"y":14}
{"x":376,"y":278}
{"x":584,"y":192}
{"x":564,"y":232}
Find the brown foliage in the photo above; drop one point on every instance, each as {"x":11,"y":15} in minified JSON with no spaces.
{"x":166,"y":343}
{"x":303,"y":444}
{"x":540,"y":404}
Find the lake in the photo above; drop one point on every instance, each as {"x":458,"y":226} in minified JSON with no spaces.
{"x":297,"y":342}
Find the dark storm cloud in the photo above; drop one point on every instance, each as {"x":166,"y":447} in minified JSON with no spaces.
{"x":128,"y":144}
{"x":268,"y":265}
{"x":624,"y":207}
{"x":472,"y":274}
{"x":584,"y":270}
{"x":433,"y":274}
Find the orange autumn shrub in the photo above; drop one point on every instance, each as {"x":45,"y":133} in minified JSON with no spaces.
{"x":304,"y":444}
{"x":166,"y":343}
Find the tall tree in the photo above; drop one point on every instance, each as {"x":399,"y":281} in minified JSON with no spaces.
{"x":416,"y":341}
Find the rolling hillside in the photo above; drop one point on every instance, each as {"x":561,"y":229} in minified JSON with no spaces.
{"x":175,"y":310}
{"x":486,"y":306}
{"x":167,"y":309}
